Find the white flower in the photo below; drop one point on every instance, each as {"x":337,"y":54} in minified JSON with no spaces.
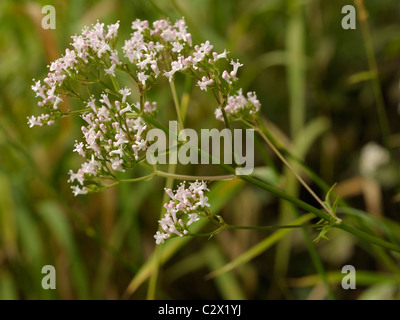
{"x":114,"y":57}
{"x":105,"y":100}
{"x":252,"y":98}
{"x":116,"y":164}
{"x":203,"y":202}
{"x":128,"y":108}
{"x":111,"y":70}
{"x":160,"y":237}
{"x":170,"y":193}
{"x":193,"y":217}
{"x":56,"y":102}
{"x":222,"y":55}
{"x":150,"y":107}
{"x":204,"y":83}
{"x":79,"y":148}
{"x":177,"y":47}
{"x":104,"y":48}
{"x":79,"y":176}
{"x":125,"y":93}
{"x":112,"y":30}
{"x":37,"y":86}
{"x":169,"y":74}
{"x":91,"y":104}
{"x":91,"y":166}
{"x":141,"y":145}
{"x":120,"y":152}
{"x":140,"y":25}
{"x":226,"y":76}
{"x":236,"y":66}
{"x":77,"y":191}
{"x":154,"y":67}
{"x":206,"y":47}
{"x":121,"y":139}
{"x":142,"y":77}
{"x":197,"y":187}
{"x":218,"y":114}
{"x":198,"y":56}
{"x":33,"y":121}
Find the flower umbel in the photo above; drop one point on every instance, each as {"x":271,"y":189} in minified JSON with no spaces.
{"x":116,"y":117}
{"x":185,"y":208}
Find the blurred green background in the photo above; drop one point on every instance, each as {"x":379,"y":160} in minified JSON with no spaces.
{"x":296,"y":56}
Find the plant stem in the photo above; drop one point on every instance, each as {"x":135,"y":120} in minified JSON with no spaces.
{"x":141,"y":99}
{"x":168,"y":184}
{"x":115,"y":83}
{"x":188,"y":177}
{"x":266,"y":228}
{"x":176,"y":103}
{"x":138,"y":179}
{"x":76,"y":111}
{"x":228,"y":126}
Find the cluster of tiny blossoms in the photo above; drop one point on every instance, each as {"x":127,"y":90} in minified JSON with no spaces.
{"x":89,"y":47}
{"x":113,"y":141}
{"x":240,"y":106}
{"x":183,"y":210}
{"x":167,"y":48}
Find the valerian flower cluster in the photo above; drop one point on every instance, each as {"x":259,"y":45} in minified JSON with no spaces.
{"x":182,"y":210}
{"x":116,"y":120}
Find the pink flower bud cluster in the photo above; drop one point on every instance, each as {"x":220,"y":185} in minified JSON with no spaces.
{"x":91,"y":45}
{"x":240,"y":106}
{"x":112,"y":142}
{"x":183,"y":210}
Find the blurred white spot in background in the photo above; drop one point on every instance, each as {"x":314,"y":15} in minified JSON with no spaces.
{"x":372,"y":157}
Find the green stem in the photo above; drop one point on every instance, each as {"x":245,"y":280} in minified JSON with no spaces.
{"x":138,"y":179}
{"x":228,"y":126}
{"x":176,"y":103}
{"x":188,"y":177}
{"x":266,"y":228}
{"x":115,"y":83}
{"x":261,"y":228}
{"x":141,"y":97}
{"x":76,"y":111}
{"x":168,"y":184}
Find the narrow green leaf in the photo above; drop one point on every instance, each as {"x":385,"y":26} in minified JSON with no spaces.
{"x":227,"y":283}
{"x":58,"y":225}
{"x":8,"y":290}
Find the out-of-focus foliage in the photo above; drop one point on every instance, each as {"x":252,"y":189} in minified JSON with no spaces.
{"x":295,"y":55}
